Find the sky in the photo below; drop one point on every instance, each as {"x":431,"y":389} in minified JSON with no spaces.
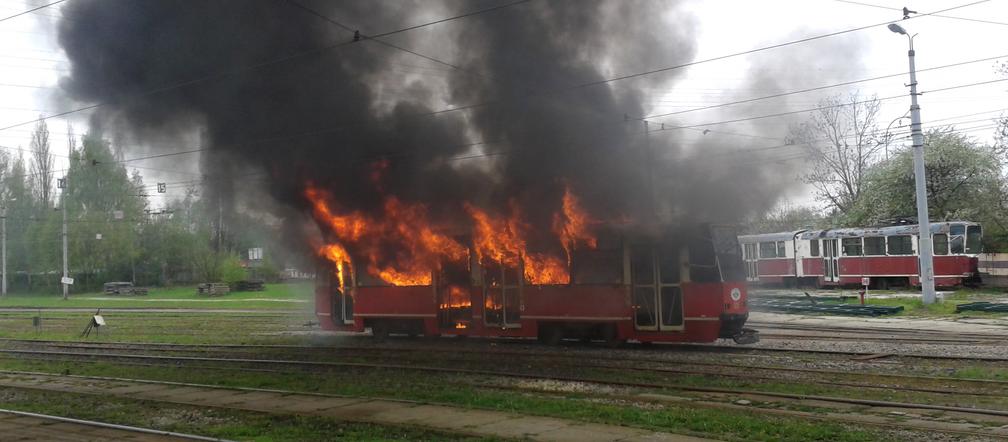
{"x":32,"y":63}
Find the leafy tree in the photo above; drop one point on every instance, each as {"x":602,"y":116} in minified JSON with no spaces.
{"x":843,"y":140}
{"x":42,"y":163}
{"x":787,"y":217}
{"x":965,"y":181}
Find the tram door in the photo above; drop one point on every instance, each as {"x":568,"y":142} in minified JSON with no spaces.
{"x":452,"y":283}
{"x":751,"y":262}
{"x":342,"y":297}
{"x":831,"y":262}
{"x":657,"y":294}
{"x":502,"y":302}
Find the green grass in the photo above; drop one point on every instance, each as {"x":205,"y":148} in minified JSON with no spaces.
{"x":446,"y":388}
{"x":945,"y":307}
{"x":293,"y":296}
{"x":208,"y":421}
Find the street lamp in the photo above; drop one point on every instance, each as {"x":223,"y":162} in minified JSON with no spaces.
{"x":924,"y":233}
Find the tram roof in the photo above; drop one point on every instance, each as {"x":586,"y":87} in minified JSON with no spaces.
{"x":854,"y":232}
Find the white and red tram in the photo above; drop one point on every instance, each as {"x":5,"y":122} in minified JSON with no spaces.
{"x":888,"y":256}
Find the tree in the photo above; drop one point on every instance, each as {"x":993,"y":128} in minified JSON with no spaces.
{"x":965,"y":181}
{"x":842,"y":140}
{"x":786,"y":217}
{"x":42,"y":164}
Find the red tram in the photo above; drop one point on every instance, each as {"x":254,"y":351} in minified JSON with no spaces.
{"x":887,"y":256}
{"x":677,"y":286}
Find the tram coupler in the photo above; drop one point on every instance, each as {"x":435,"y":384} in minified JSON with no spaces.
{"x":746,"y":336}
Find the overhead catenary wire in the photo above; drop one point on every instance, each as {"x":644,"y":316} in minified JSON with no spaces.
{"x":247,"y":68}
{"x":31,"y":10}
{"x":976,"y":20}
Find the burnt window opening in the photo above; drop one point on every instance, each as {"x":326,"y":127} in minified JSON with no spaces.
{"x":597,"y":267}
{"x":702,"y":261}
{"x":899,"y":245}
{"x":728,"y":260}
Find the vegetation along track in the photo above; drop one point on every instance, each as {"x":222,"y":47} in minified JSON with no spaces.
{"x":135,"y":353}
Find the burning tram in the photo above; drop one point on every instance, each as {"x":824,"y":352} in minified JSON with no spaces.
{"x":886,"y":256}
{"x":676,"y":285}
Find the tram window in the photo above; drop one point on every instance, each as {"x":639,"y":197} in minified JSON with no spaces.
{"x":781,"y":249}
{"x":668,"y":262}
{"x":973,"y":239}
{"x":900,"y":245}
{"x":671,"y":304}
{"x":874,"y":245}
{"x":941,"y":244}
{"x":957,"y":238}
{"x":641,"y":266}
{"x":365,"y":279}
{"x":702,"y":261}
{"x":851,"y":246}
{"x":728,"y":259}
{"x":813,"y":247}
{"x":644,"y":301}
{"x":767,"y":250}
{"x":597,"y":267}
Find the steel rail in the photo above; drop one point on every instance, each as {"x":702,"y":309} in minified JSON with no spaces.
{"x":111,"y":426}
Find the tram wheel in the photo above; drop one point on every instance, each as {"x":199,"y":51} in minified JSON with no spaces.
{"x":379,"y":331}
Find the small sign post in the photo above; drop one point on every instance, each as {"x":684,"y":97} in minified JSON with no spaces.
{"x":864,"y":289}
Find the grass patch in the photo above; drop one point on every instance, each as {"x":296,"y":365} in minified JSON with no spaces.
{"x":445,"y":388}
{"x":290,"y":296}
{"x":209,"y":421}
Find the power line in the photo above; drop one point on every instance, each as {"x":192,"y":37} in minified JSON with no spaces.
{"x":255,"y":66}
{"x":32,"y":10}
{"x":780,"y":114}
{"x":817,"y":88}
{"x":935,"y":15}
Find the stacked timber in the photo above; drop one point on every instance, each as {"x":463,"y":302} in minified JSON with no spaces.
{"x":213,"y":289}
{"x":250,"y":286}
{"x":982,"y":307}
{"x":123,"y":289}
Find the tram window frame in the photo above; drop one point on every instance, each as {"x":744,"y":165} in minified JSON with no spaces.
{"x":873,"y":246}
{"x":974,"y":246}
{"x":768,"y":249}
{"x":597,"y":267}
{"x":904,"y":246}
{"x":814,"y":248}
{"x":847,"y":246}
{"x":957,"y":239}
{"x":944,"y":249}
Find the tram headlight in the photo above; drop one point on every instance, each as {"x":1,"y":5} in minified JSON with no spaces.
{"x":736,"y":294}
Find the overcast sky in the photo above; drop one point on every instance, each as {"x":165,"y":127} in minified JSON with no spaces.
{"x":31,"y":64}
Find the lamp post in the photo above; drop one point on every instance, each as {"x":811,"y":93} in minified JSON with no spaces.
{"x":924,"y":233}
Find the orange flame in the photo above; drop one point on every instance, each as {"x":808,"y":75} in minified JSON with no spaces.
{"x":419,"y":248}
{"x":338,"y":255}
{"x":502,"y":241}
{"x":456,"y":298}
{"x":572,"y":226}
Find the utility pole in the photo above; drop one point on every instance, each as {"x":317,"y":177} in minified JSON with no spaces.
{"x":3,"y":257}
{"x":925,"y":242}
{"x":66,"y":287}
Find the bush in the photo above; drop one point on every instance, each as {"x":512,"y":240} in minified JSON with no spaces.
{"x":231,"y":270}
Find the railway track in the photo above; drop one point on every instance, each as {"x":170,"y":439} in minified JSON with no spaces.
{"x":976,"y":388}
{"x":860,"y":419}
{"x":32,"y":425}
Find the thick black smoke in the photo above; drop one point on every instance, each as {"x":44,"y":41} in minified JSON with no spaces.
{"x":277,"y":89}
